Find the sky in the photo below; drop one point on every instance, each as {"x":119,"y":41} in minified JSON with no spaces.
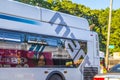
{"x":98,"y":4}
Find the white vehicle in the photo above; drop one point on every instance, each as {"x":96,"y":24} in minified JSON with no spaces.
{"x":112,"y":74}
{"x":70,"y":49}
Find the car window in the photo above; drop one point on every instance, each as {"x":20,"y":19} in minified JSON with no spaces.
{"x":115,"y":68}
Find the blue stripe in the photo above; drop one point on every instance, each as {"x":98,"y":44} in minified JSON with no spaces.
{"x":32,"y":47}
{"x":17,"y":19}
{"x":38,"y":48}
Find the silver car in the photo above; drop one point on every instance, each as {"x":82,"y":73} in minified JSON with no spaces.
{"x":113,"y":74}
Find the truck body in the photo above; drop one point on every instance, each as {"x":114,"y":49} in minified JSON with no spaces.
{"x":26,"y":31}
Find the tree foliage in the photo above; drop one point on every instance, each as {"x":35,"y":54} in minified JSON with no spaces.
{"x":97,"y":17}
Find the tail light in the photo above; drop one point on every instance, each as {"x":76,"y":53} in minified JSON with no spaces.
{"x":98,"y":78}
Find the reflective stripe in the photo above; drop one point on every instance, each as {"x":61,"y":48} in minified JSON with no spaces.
{"x":18,"y":19}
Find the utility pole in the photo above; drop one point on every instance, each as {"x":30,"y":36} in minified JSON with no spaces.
{"x":108,"y":35}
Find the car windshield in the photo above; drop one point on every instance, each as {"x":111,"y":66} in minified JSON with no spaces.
{"x":115,"y":69}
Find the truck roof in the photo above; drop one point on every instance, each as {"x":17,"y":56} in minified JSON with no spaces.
{"x":41,"y":14}
{"x":20,"y":17}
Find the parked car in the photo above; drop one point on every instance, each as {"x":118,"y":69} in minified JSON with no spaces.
{"x":112,"y":74}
